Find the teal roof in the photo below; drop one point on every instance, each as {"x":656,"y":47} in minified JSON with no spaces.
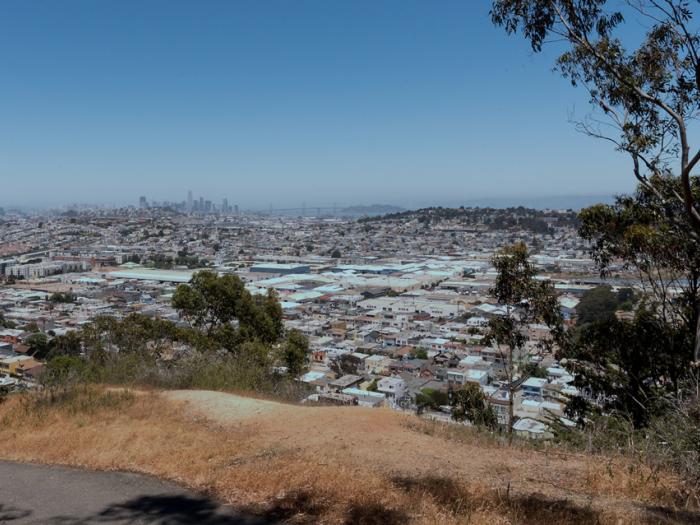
{"x":146,"y":274}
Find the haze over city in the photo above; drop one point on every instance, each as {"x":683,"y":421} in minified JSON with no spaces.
{"x":349,"y":263}
{"x":398,"y":102}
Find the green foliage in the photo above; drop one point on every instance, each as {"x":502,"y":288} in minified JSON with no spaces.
{"x":165,"y":262}
{"x":600,"y":304}
{"x":160,"y":261}
{"x":6,"y":323}
{"x":534,"y":370}
{"x":529,"y":300}
{"x":431,"y":398}
{"x":515,"y":274}
{"x":597,"y":305}
{"x":61,"y":297}
{"x":211,"y":302}
{"x":469,"y":404}
{"x":136,"y":333}
{"x":629,"y":365}
{"x":63,"y":371}
{"x":38,"y":344}
{"x":212,"y":354}
{"x":335,"y":254}
{"x":345,"y":364}
{"x":31,"y":327}
{"x":646,"y":91}
{"x":419,"y":353}
{"x":294,"y":350}
{"x":518,"y":218}
{"x":69,"y":344}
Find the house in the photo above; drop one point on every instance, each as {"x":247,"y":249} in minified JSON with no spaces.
{"x":317,"y":379}
{"x":446,"y":359}
{"x":5,"y":349}
{"x":366,"y":397}
{"x":532,"y":429}
{"x":358,"y":359}
{"x":568,"y":306}
{"x":533,"y":388}
{"x":11,"y":336}
{"x":410,"y":366}
{"x":377,"y":364}
{"x":393,"y":387}
{"x":403,"y":352}
{"x":319,"y":356}
{"x":459,"y":377}
{"x":16,"y":364}
{"x":498,"y":401}
{"x":434,"y":343}
{"x":346,"y":381}
{"x":336,"y":398}
{"x":477,"y":321}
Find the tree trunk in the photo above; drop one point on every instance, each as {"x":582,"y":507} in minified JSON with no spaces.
{"x":510,"y":415}
{"x":697,"y":339}
{"x":511,"y":401}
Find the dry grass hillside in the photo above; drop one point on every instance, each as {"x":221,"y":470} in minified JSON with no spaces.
{"x":332,"y":464}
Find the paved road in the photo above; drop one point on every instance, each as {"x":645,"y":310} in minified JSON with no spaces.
{"x":37,"y":494}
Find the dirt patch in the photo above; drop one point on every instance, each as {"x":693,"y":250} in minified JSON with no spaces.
{"x":222,"y":407}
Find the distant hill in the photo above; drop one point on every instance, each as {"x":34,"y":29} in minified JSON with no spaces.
{"x":538,"y":221}
{"x":369,"y":211}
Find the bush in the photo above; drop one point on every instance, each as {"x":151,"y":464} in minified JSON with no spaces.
{"x":673,"y":441}
{"x":431,"y":398}
{"x":419,"y":353}
{"x":206,"y":370}
{"x":469,"y":404}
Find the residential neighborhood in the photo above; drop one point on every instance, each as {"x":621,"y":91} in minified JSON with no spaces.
{"x":392,"y":308}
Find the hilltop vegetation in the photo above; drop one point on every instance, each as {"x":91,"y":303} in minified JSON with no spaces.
{"x":231,"y":340}
{"x":536,"y":221}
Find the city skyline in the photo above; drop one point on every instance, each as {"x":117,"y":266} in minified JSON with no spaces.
{"x":561,"y":202}
{"x":393,"y":102}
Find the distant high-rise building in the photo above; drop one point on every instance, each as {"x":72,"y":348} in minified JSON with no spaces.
{"x":236,"y":209}
{"x":143,"y":203}
{"x":224,"y":206}
{"x":207,"y":206}
{"x":190,"y":204}
{"x":201,"y":204}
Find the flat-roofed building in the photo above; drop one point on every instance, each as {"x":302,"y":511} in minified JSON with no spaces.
{"x":280,"y":268}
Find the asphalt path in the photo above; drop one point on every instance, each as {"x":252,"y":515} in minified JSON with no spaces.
{"x":51,"y":495}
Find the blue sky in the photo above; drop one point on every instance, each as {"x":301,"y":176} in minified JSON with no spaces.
{"x":283,"y":102}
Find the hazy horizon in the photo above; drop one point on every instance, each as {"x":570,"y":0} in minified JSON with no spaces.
{"x":403,"y":103}
{"x":575,"y":202}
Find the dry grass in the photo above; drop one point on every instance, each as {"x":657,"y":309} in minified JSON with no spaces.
{"x":331,"y":465}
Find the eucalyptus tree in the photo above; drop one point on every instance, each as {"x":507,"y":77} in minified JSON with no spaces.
{"x":643,"y":80}
{"x":526,"y":300}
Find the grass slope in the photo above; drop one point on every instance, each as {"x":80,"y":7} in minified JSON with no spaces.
{"x":331,"y":464}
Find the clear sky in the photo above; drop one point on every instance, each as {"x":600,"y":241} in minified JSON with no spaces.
{"x":283,"y":102}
